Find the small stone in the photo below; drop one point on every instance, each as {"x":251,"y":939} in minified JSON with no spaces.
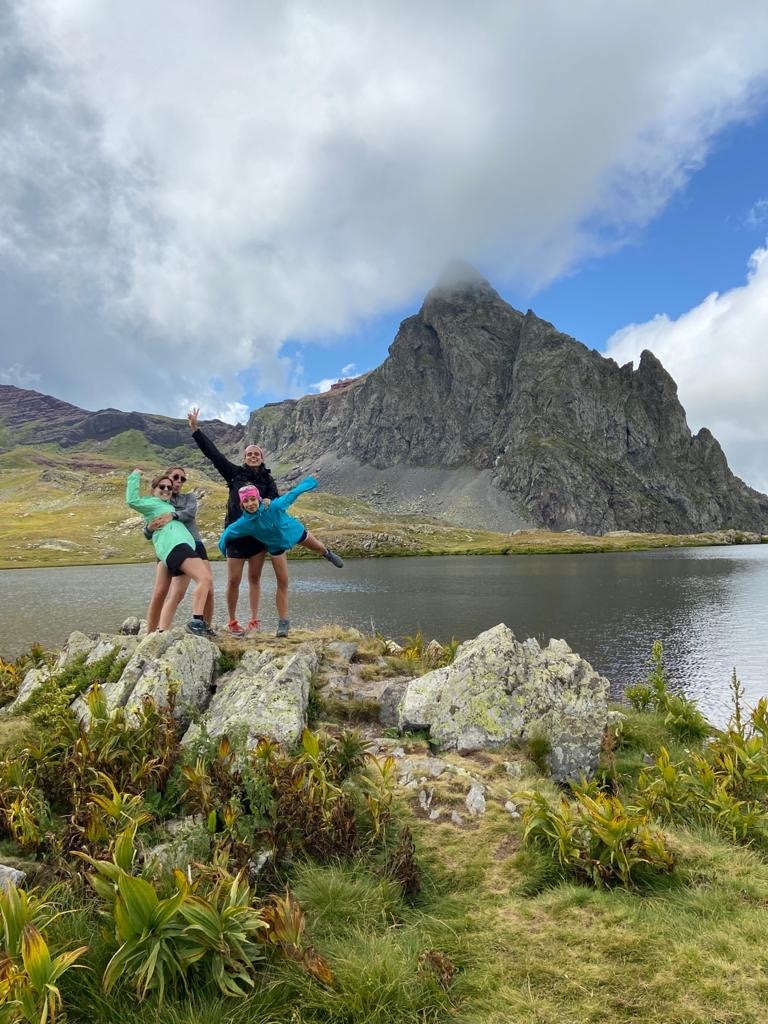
{"x":511,"y":809}
{"x":457,"y":819}
{"x":475,"y":799}
{"x":434,"y":815}
{"x":513,"y":768}
{"x":131,"y":626}
{"x":425,"y":799}
{"x":10,"y":876}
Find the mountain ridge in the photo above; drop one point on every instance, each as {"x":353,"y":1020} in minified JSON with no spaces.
{"x":499,"y":420}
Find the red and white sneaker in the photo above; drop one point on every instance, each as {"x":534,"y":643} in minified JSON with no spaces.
{"x":253,"y":626}
{"x":234,"y":628}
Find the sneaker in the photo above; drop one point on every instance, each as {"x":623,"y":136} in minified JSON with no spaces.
{"x":253,"y":626}
{"x":333,"y":558}
{"x":234,"y":628}
{"x":209,"y":630}
{"x":283,"y":627}
{"x":197,"y":627}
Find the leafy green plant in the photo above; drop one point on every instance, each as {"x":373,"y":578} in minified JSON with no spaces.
{"x":28,"y":972}
{"x":682,"y":716}
{"x":597,"y":838}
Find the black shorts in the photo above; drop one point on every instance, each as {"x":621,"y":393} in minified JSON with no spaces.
{"x":244,"y":547}
{"x":178,"y":555}
{"x":282,"y":551}
{"x":200,"y":552}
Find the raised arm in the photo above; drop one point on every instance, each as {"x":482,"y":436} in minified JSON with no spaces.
{"x":132,"y":497}
{"x":209,"y":449}
{"x":307,"y":484}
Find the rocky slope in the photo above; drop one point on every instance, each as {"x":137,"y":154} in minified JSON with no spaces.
{"x":492,"y":417}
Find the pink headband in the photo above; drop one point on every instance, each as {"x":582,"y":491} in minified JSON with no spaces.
{"x":249,"y":491}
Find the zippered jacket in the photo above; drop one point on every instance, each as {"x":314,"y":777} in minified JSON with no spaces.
{"x":236,"y":476}
{"x":271,"y":524}
{"x":185,"y":510}
{"x":167,"y":537}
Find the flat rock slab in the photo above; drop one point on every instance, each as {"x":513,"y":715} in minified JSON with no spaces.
{"x":266,"y":695}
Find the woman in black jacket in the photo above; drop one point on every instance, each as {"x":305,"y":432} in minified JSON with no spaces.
{"x":246,"y":549}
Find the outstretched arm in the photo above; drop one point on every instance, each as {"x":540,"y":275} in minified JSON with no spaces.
{"x":245,"y":526}
{"x":209,"y":449}
{"x":307,"y":484}
{"x":132,"y":497}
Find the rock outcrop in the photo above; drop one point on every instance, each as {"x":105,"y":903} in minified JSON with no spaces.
{"x":498,"y":690}
{"x":494,"y":418}
{"x":266,"y":695}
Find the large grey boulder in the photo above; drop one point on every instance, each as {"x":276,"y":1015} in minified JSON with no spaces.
{"x":161,"y":661}
{"x":499,"y":690}
{"x":10,"y":876}
{"x":266,"y":695}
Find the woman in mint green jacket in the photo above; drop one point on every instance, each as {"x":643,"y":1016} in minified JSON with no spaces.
{"x":175,"y":547}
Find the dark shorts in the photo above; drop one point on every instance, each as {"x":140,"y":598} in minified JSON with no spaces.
{"x":282,"y":551}
{"x":244,"y":547}
{"x":200,"y":552}
{"x":178,"y":555}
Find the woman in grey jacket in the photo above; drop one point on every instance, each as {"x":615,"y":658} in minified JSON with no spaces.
{"x":170,"y":588}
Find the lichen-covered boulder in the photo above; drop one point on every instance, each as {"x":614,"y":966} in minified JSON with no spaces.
{"x":499,"y":689}
{"x":10,"y":876}
{"x":161,"y":661}
{"x":265,"y":695}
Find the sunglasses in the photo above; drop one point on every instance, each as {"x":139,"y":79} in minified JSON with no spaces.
{"x":178,"y":476}
{"x":165,"y":487}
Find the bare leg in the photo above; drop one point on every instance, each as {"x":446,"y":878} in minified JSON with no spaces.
{"x":280,"y":567}
{"x":200,"y":571}
{"x":175,"y":596}
{"x":162,"y":584}
{"x":255,"y":565}
{"x":234,"y":575}
{"x":311,"y":542}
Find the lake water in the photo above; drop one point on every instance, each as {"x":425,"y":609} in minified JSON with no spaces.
{"x":705,"y":604}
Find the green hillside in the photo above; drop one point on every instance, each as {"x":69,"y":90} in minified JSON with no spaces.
{"x":66,"y":507}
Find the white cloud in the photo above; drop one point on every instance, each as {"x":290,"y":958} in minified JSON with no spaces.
{"x":758,"y":215}
{"x":215,"y":179}
{"x":19,"y":377}
{"x":348,"y":370}
{"x":322,"y":385}
{"x":717,"y":354}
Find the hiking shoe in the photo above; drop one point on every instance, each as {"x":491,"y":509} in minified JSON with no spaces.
{"x":197,"y":627}
{"x":283,"y":627}
{"x":234,"y":628}
{"x":209,"y":630}
{"x":253,"y":626}
{"x":333,"y":558}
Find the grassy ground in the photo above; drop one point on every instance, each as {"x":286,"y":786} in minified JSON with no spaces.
{"x":495,"y":935}
{"x":67,"y":508}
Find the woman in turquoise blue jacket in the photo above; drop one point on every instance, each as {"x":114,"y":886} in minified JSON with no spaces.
{"x":275,"y":528}
{"x":175,"y":547}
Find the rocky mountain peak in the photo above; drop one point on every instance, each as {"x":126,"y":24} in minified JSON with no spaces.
{"x":497,"y":419}
{"x":459,"y":281}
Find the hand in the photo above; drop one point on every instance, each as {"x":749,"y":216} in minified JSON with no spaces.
{"x":159,"y":522}
{"x":192,"y":416}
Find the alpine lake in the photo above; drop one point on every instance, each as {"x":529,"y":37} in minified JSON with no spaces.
{"x":704,"y":604}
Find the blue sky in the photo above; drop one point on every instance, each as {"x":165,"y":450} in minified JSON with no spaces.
{"x":232,"y":222}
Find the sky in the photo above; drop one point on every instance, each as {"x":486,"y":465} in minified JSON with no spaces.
{"x":228,"y":204}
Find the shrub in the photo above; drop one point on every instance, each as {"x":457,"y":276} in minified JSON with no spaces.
{"x":682,"y":717}
{"x":597,"y":839}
